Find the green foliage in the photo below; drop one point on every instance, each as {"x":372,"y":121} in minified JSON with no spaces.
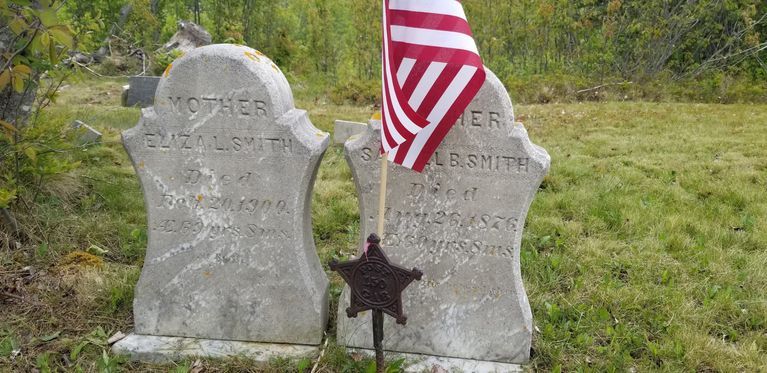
{"x":34,"y":43}
{"x":162,"y":59}
{"x":356,"y":92}
{"x":38,"y":41}
{"x":335,"y":44}
{"x":87,"y":28}
{"x":92,"y":20}
{"x":142,"y":25}
{"x":7,"y":196}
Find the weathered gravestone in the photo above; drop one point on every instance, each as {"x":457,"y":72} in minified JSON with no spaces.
{"x":140,"y":91}
{"x":461,"y":223}
{"x":85,"y":134}
{"x":343,"y":130}
{"x":189,"y":36}
{"x":227,"y":166}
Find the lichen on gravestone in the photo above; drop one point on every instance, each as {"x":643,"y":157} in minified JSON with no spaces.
{"x":227,"y":165}
{"x":460,"y":222}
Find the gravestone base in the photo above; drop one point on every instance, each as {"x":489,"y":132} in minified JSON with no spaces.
{"x":155,"y":349}
{"x":417,"y":363}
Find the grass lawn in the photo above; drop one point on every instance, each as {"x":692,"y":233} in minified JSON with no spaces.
{"x":645,"y":249}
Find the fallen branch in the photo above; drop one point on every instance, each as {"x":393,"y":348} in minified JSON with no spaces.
{"x":25,"y":300}
{"x":602,"y":86}
{"x":322,"y":353}
{"x":97,"y":74}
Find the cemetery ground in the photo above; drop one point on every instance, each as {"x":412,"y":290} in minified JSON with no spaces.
{"x":645,"y":249}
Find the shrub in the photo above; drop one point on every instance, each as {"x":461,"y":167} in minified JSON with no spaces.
{"x":30,"y":50}
{"x":358,"y":92}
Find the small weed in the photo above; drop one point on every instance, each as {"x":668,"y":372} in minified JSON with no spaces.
{"x":109,"y":364}
{"x":42,"y":362}
{"x":8,"y":344}
{"x":304,"y":365}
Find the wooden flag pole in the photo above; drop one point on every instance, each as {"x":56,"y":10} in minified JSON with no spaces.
{"x":378,"y":314}
{"x":382,"y":194}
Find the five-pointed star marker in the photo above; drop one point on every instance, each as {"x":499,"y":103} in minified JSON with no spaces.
{"x":376,"y":284}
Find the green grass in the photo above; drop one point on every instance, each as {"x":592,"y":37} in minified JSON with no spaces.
{"x":645,"y":249}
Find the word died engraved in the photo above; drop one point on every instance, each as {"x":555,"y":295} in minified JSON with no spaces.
{"x":214,"y":143}
{"x":196,"y":177}
{"x":246,"y":205}
{"x":418,"y":191}
{"x":481,"y":119}
{"x":223,"y":106}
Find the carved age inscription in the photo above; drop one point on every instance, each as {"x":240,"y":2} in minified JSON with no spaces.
{"x":456,"y":232}
{"x":220,"y":231}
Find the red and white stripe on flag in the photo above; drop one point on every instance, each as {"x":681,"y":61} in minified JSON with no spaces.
{"x":431,"y":72}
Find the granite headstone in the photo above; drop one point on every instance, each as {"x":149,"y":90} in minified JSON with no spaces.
{"x":227,"y":165}
{"x":140,"y":91}
{"x":85,"y":134}
{"x":343,"y":130}
{"x":460,"y":222}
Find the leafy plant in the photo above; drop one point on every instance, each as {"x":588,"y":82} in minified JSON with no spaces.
{"x":162,"y":59}
{"x":31,"y":49}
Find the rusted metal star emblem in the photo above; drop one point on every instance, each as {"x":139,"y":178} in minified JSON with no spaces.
{"x":376,"y":284}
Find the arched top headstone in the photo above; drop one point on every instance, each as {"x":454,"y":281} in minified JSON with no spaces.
{"x":222,"y":72}
{"x":460,"y":221}
{"x":227,"y":166}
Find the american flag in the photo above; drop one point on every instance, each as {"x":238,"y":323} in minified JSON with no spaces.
{"x":431,"y":72}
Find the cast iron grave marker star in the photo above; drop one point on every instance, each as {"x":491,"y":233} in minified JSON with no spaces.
{"x":376,"y":284}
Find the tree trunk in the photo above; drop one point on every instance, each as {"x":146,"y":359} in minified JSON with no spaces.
{"x":197,"y":12}
{"x":125,"y":11}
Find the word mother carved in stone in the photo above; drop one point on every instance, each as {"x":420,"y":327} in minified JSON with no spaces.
{"x":461,"y":223}
{"x":227,"y":166}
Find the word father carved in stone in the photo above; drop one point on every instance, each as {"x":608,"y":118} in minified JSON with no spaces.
{"x":227,"y":166}
{"x":461,"y":223}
